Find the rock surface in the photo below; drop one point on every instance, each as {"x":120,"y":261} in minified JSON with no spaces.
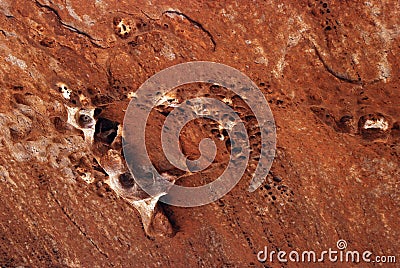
{"x":330,"y":71}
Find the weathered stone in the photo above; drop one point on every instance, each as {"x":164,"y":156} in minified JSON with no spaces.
{"x":329,"y":70}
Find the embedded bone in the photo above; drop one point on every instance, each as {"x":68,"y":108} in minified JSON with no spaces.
{"x":82,"y":119}
{"x":115,"y":166}
{"x":380,"y":123}
{"x":66,"y":93}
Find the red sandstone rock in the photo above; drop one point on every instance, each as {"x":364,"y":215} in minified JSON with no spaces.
{"x":324,"y":67}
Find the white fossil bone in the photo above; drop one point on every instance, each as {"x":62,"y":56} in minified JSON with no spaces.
{"x":116,"y":168}
{"x":132,"y":95}
{"x":65,"y":92}
{"x":82,"y":119}
{"x":168,"y":100}
{"x":380,"y":123}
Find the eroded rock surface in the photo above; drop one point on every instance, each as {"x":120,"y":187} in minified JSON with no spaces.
{"x":330,"y":71}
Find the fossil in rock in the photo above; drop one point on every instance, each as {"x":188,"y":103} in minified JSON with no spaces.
{"x":108,"y":153}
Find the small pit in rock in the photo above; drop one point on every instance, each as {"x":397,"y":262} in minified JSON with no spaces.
{"x":106,"y":130}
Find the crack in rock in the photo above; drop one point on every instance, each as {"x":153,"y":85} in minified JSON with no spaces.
{"x":81,"y":231}
{"x":341,"y":76}
{"x":195,"y":23}
{"x":70,"y":27}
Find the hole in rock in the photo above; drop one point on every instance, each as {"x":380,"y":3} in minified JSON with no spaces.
{"x":106,"y":130}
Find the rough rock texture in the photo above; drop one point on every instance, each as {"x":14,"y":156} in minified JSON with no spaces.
{"x":330,"y":71}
